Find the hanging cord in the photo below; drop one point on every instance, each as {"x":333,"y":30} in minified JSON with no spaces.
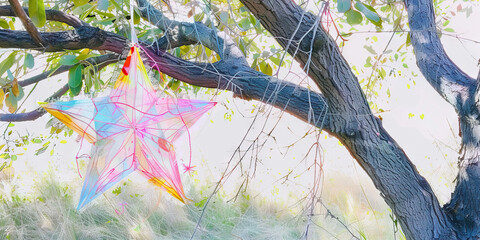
{"x":133,"y":35}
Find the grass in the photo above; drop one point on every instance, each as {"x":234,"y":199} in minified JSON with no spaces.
{"x":49,"y":213}
{"x":46,"y":209}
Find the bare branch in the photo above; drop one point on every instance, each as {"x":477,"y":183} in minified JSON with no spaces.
{"x":32,"y":115}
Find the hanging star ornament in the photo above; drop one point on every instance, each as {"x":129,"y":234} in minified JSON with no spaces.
{"x":132,"y":129}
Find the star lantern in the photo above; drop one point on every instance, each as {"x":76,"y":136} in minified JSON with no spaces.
{"x":132,"y":129}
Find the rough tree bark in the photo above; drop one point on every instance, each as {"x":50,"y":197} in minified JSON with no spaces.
{"x":349,"y":117}
{"x":405,"y":191}
{"x":461,"y":91}
{"x":412,"y":201}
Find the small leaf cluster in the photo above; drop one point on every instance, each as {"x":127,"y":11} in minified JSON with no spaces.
{"x":355,"y":13}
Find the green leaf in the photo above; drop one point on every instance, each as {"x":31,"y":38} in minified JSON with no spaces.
{"x":224,"y":17}
{"x":266,"y":68}
{"x":242,"y":45}
{"x":343,"y":5}
{"x":368,"y":62}
{"x":174,"y":84}
{"x":4,"y":23}
{"x":275,"y":60}
{"x":103,"y":5}
{"x":75,"y":79}
{"x":82,"y":9}
{"x":353,"y":17}
{"x":136,"y":17}
{"x":370,"y":49}
{"x":382,"y":73}
{"x":253,"y":20}
{"x":41,"y":150}
{"x":369,"y":12}
{"x":76,"y":91}
{"x":29,"y":61}
{"x":80,"y":2}
{"x":10,"y":75}
{"x":449,"y":30}
{"x":114,"y":3}
{"x":199,"y":17}
{"x":36,"y":10}
{"x":11,"y":24}
{"x":68,"y":60}
{"x":21,"y":93}
{"x":201,"y":203}
{"x":245,"y":24}
{"x":7,"y":63}
{"x":117,"y":190}
{"x":4,"y":164}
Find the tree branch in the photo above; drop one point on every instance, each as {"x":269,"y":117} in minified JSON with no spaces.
{"x":81,"y":37}
{"x":27,"y":23}
{"x":32,"y":115}
{"x":446,"y":78}
{"x":99,"y":62}
{"x":52,"y":15}
{"x":248,"y":84}
{"x":287,"y":96}
{"x":184,"y":33}
{"x":240,"y":79}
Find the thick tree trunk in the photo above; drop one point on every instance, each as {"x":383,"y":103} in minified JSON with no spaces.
{"x":405,"y":191}
{"x":461,"y":91}
{"x":463,"y":209}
